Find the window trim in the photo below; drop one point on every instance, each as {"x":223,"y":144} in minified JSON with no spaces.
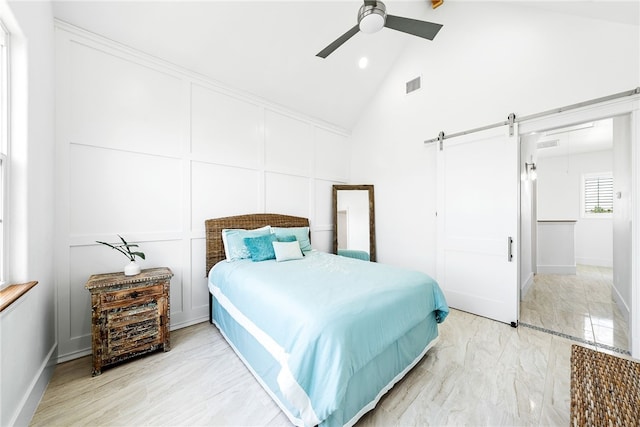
{"x":3,"y":220}
{"x":5,"y":151}
{"x":591,"y":215}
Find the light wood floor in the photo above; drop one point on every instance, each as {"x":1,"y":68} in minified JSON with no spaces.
{"x":480,"y":373}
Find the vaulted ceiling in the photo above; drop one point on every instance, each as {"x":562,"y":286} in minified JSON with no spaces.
{"x":267,"y":48}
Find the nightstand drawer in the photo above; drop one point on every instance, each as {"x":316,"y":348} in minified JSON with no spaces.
{"x":133,"y":331}
{"x":129,"y":296}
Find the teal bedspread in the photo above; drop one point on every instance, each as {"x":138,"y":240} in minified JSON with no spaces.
{"x":323,"y":318}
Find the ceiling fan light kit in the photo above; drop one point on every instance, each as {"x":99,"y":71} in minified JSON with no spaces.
{"x":372,"y":17}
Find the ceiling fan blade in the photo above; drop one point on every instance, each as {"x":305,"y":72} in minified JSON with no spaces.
{"x":339,"y":42}
{"x":426,"y":30}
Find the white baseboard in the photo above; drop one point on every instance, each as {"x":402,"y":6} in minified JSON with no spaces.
{"x":622,"y":306}
{"x":595,"y":262}
{"x":556,"y":269}
{"x":190,"y":322}
{"x":31,"y":400}
{"x":524,"y":289}
{"x":74,"y":355}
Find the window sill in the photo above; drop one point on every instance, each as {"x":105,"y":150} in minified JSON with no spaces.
{"x":11,"y":293}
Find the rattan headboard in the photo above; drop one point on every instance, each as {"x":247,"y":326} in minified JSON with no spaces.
{"x":213,"y":229}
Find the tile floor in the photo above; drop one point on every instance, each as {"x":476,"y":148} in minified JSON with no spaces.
{"x":580,"y":306}
{"x":481,"y":372}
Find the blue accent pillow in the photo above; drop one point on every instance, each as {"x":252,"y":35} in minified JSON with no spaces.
{"x":301,"y":233}
{"x":286,"y":238}
{"x":234,"y":247}
{"x":261,"y":248}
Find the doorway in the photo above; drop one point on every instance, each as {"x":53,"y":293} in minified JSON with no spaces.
{"x":576,"y":231}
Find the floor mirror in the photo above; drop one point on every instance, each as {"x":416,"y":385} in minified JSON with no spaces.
{"x":354,"y":221}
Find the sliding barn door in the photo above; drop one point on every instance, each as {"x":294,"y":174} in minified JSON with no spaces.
{"x":478,"y":185}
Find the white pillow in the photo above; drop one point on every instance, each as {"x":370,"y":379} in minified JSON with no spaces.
{"x":286,"y":251}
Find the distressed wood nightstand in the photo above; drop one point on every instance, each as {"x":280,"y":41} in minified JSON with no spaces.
{"x":130,"y":315}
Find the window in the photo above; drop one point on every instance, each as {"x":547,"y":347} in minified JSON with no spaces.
{"x":4,"y":148}
{"x":597,"y":195}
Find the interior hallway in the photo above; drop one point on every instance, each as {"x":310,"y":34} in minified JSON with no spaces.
{"x":580,"y":307}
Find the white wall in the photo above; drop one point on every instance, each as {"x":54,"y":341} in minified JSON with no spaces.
{"x":472,"y":78}
{"x":622,"y":214}
{"x":149,"y":150}
{"x":559,"y":187}
{"x":27,"y":328}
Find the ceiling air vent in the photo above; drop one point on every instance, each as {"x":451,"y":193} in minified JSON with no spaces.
{"x":413,"y":85}
{"x":547,"y":144}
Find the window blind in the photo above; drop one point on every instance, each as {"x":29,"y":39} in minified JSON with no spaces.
{"x":598,"y":194}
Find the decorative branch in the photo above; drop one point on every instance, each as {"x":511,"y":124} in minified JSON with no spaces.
{"x":125,"y":248}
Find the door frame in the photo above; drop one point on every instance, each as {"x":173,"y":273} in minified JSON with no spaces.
{"x":603,"y":110}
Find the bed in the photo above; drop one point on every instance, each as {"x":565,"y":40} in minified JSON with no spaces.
{"x":325,"y":335}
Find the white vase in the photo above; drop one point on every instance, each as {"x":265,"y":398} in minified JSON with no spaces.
{"x":131,"y":269}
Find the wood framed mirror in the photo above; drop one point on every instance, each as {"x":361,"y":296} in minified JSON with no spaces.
{"x":354,"y":221}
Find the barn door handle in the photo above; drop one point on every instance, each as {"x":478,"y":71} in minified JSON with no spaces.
{"x":509,"y":249}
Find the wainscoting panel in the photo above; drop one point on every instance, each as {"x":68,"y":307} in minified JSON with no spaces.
{"x":224,"y":129}
{"x":114,"y":191}
{"x":150,"y":150}
{"x":322,"y":240}
{"x":118,"y":103}
{"x":200,"y":291}
{"x":287,"y":194}
{"x":218,"y":191}
{"x":331,"y":155}
{"x":288,"y":144}
{"x":324,"y":202}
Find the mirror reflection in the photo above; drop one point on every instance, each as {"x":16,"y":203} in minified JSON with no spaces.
{"x":354,"y":233}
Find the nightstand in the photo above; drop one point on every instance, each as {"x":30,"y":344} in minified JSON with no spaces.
{"x":130,"y":315}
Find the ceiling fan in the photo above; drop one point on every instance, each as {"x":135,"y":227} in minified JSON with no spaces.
{"x":372,"y":16}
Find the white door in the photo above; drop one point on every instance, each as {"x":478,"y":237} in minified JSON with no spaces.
{"x":478,"y":186}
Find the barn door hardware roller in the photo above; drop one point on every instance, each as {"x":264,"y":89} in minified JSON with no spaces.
{"x":512,"y":119}
{"x":441,"y":139}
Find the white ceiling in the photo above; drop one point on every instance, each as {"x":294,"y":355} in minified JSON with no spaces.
{"x":582,"y":138}
{"x":267,"y":48}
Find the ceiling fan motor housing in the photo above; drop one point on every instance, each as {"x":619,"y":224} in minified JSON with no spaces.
{"x":372,"y":17}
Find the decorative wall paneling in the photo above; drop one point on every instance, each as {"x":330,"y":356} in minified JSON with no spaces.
{"x":149,"y":150}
